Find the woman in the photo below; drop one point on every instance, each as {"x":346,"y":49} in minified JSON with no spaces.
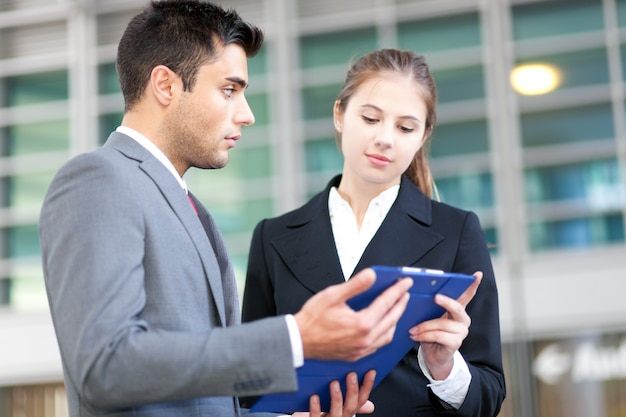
{"x":380,"y":211}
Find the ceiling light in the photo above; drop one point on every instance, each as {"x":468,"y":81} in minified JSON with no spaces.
{"x":535,"y":79}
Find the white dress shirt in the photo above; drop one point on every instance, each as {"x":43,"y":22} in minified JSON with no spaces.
{"x":294,"y":333}
{"x":351,"y":243}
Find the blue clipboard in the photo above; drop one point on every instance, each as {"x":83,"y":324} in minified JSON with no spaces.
{"x":315,"y":376}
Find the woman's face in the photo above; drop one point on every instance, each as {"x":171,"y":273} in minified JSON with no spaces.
{"x":382,"y":128}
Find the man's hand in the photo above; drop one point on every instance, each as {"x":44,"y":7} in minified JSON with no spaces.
{"x":440,"y":338}
{"x":356,"y":398}
{"x":330,"y":329}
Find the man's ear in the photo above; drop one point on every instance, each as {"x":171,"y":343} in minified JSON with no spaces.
{"x":338,"y":117}
{"x":164,"y":84}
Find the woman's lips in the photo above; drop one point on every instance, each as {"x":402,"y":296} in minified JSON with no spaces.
{"x":378,"y":160}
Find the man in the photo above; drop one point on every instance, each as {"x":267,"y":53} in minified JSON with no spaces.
{"x":140,"y":286}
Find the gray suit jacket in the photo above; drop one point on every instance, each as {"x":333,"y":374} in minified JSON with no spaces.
{"x":143,"y":295}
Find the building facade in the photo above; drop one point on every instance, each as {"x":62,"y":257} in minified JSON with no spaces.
{"x":545,"y":173}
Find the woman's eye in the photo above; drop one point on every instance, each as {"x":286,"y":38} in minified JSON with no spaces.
{"x":406,"y":129}
{"x":228,"y":91}
{"x":369,"y":119}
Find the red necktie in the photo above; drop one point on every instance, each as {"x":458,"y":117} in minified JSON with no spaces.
{"x":192,"y":204}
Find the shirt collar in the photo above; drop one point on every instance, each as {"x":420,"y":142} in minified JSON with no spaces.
{"x":385,"y":200}
{"x":154,"y":150}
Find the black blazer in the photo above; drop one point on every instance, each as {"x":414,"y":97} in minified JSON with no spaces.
{"x":293,"y":257}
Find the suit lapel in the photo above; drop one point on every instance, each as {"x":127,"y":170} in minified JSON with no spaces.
{"x":179,"y":202}
{"x":226,"y":272}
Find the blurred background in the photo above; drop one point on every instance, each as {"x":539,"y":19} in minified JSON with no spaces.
{"x":531,"y":136}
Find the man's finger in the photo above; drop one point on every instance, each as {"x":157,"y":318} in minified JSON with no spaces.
{"x":356,"y":285}
{"x":389,"y":299}
{"x":386,"y":320}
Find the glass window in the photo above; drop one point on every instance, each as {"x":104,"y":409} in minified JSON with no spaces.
{"x":4,"y":143}
{"x":24,"y":241}
{"x":27,"y":287}
{"x":259,"y":103}
{"x":577,"y":124}
{"x":623,"y":58}
{"x":31,"y":138}
{"x":241,"y":217}
{"x":5,"y":291}
{"x":460,"y":84}
{"x":621,"y":12}
{"x":318,"y":101}
{"x":249,"y":162}
{"x":4,"y":196}
{"x":239,"y":258}
{"x":597,"y":184}
{"x":37,"y":88}
{"x":337,"y":48}
{"x":491,"y":237}
{"x":586,"y":67}
{"x":593,"y":186}
{"x":323,"y":156}
{"x":257,"y":65}
{"x":552,"y":18}
{"x":577,"y":233}
{"x":107,"y":79}
{"x":27,"y":190}
{"x":469,"y":191}
{"x":450,"y":32}
{"x":108,"y":123}
{"x":461,"y":138}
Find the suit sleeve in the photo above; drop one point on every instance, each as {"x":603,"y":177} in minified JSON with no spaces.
{"x":95,"y":248}
{"x":482,"y":348}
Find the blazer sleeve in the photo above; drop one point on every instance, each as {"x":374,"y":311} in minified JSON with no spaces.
{"x":119,"y":346}
{"x":258,"y":295}
{"x":482,"y":348}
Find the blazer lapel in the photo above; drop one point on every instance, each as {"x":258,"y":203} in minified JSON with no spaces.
{"x":308,"y":246}
{"x":179,"y":202}
{"x":405,"y":236}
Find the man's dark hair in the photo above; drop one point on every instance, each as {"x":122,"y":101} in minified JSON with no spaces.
{"x":182,"y":35}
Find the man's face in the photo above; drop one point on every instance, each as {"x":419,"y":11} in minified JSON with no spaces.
{"x":206,"y":122}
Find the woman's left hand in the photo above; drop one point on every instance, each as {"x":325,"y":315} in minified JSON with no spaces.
{"x":440,"y":338}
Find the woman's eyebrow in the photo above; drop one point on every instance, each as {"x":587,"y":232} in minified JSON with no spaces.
{"x":378,"y":109}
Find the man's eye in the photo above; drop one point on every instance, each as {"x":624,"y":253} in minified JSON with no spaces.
{"x":228,"y":91}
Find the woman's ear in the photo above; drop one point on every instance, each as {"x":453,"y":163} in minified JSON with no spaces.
{"x":427,"y":133}
{"x":338,"y":116}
